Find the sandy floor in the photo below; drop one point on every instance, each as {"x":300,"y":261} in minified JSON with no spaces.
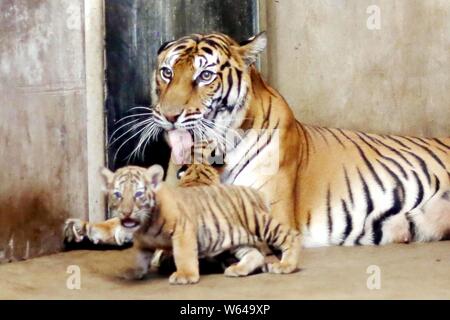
{"x":407,"y":271}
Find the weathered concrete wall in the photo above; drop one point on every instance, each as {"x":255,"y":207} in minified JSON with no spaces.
{"x":334,"y":71}
{"x":43,"y":139}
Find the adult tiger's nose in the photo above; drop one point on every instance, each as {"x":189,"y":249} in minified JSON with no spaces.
{"x":172,"y":118}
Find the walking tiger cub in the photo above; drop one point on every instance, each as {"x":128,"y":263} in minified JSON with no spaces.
{"x":196,"y":222}
{"x":111,"y":232}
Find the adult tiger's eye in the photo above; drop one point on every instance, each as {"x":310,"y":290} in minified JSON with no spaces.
{"x":206,"y":75}
{"x":117,"y":194}
{"x":166,"y":73}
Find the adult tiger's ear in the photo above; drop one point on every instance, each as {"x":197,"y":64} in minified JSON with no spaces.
{"x":155,"y":175}
{"x":108,"y":177}
{"x":251,"y":48}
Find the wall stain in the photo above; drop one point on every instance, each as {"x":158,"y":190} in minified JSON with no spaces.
{"x":30,"y":225}
{"x":43,"y":125}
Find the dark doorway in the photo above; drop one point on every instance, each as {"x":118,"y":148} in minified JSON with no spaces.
{"x":135,"y":29}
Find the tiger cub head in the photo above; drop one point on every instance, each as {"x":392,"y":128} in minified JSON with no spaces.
{"x":131,"y":193}
{"x":199,"y":174}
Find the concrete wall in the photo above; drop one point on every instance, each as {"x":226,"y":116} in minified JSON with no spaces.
{"x":334,"y":71}
{"x":43,"y":124}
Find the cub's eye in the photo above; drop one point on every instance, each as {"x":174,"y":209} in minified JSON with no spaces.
{"x":138,"y":194}
{"x":166,"y":73}
{"x":117,"y":194}
{"x":206,"y":76}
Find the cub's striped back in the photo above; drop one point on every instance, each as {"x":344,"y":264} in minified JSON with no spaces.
{"x":199,"y":175}
{"x":208,"y":220}
{"x":228,"y":217}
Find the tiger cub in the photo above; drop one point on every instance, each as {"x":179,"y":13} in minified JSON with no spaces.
{"x":195,"y":222}
{"x":193,"y":175}
{"x":198,"y":174}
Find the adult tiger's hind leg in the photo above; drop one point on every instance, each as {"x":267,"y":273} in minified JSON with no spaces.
{"x":397,"y":229}
{"x":250,"y":259}
{"x":432,"y":222}
{"x":106,"y":232}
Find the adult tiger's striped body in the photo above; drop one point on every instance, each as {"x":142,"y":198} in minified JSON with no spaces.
{"x":336,"y":186}
{"x":379,"y":189}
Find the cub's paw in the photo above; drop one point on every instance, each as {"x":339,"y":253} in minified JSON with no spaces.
{"x":280,"y":267}
{"x":180,"y":277}
{"x":134,"y":274}
{"x":74,"y":230}
{"x":123,"y":236}
{"x":236,"y":270}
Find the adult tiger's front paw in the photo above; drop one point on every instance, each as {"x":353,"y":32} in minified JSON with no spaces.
{"x":181,"y":277}
{"x":74,"y":230}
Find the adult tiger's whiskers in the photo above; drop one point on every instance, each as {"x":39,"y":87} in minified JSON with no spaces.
{"x":138,"y":125}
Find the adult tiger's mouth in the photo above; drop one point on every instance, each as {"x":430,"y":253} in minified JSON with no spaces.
{"x":181,"y":142}
{"x":129,"y":223}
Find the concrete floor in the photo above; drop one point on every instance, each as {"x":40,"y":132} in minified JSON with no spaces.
{"x":414,"y":271}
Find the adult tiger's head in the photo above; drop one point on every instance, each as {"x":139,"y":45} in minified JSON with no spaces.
{"x":131,"y":193}
{"x":201,"y":87}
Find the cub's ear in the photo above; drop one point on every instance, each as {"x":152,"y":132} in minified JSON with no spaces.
{"x":251,"y":48}
{"x":155,"y":175}
{"x":108,"y":176}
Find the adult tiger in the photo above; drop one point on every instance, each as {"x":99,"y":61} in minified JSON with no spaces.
{"x":336,"y":186}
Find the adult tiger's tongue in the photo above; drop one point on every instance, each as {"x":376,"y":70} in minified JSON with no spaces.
{"x":181,"y":143}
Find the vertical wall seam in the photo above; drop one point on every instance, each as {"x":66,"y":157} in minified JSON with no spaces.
{"x":95,"y":100}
